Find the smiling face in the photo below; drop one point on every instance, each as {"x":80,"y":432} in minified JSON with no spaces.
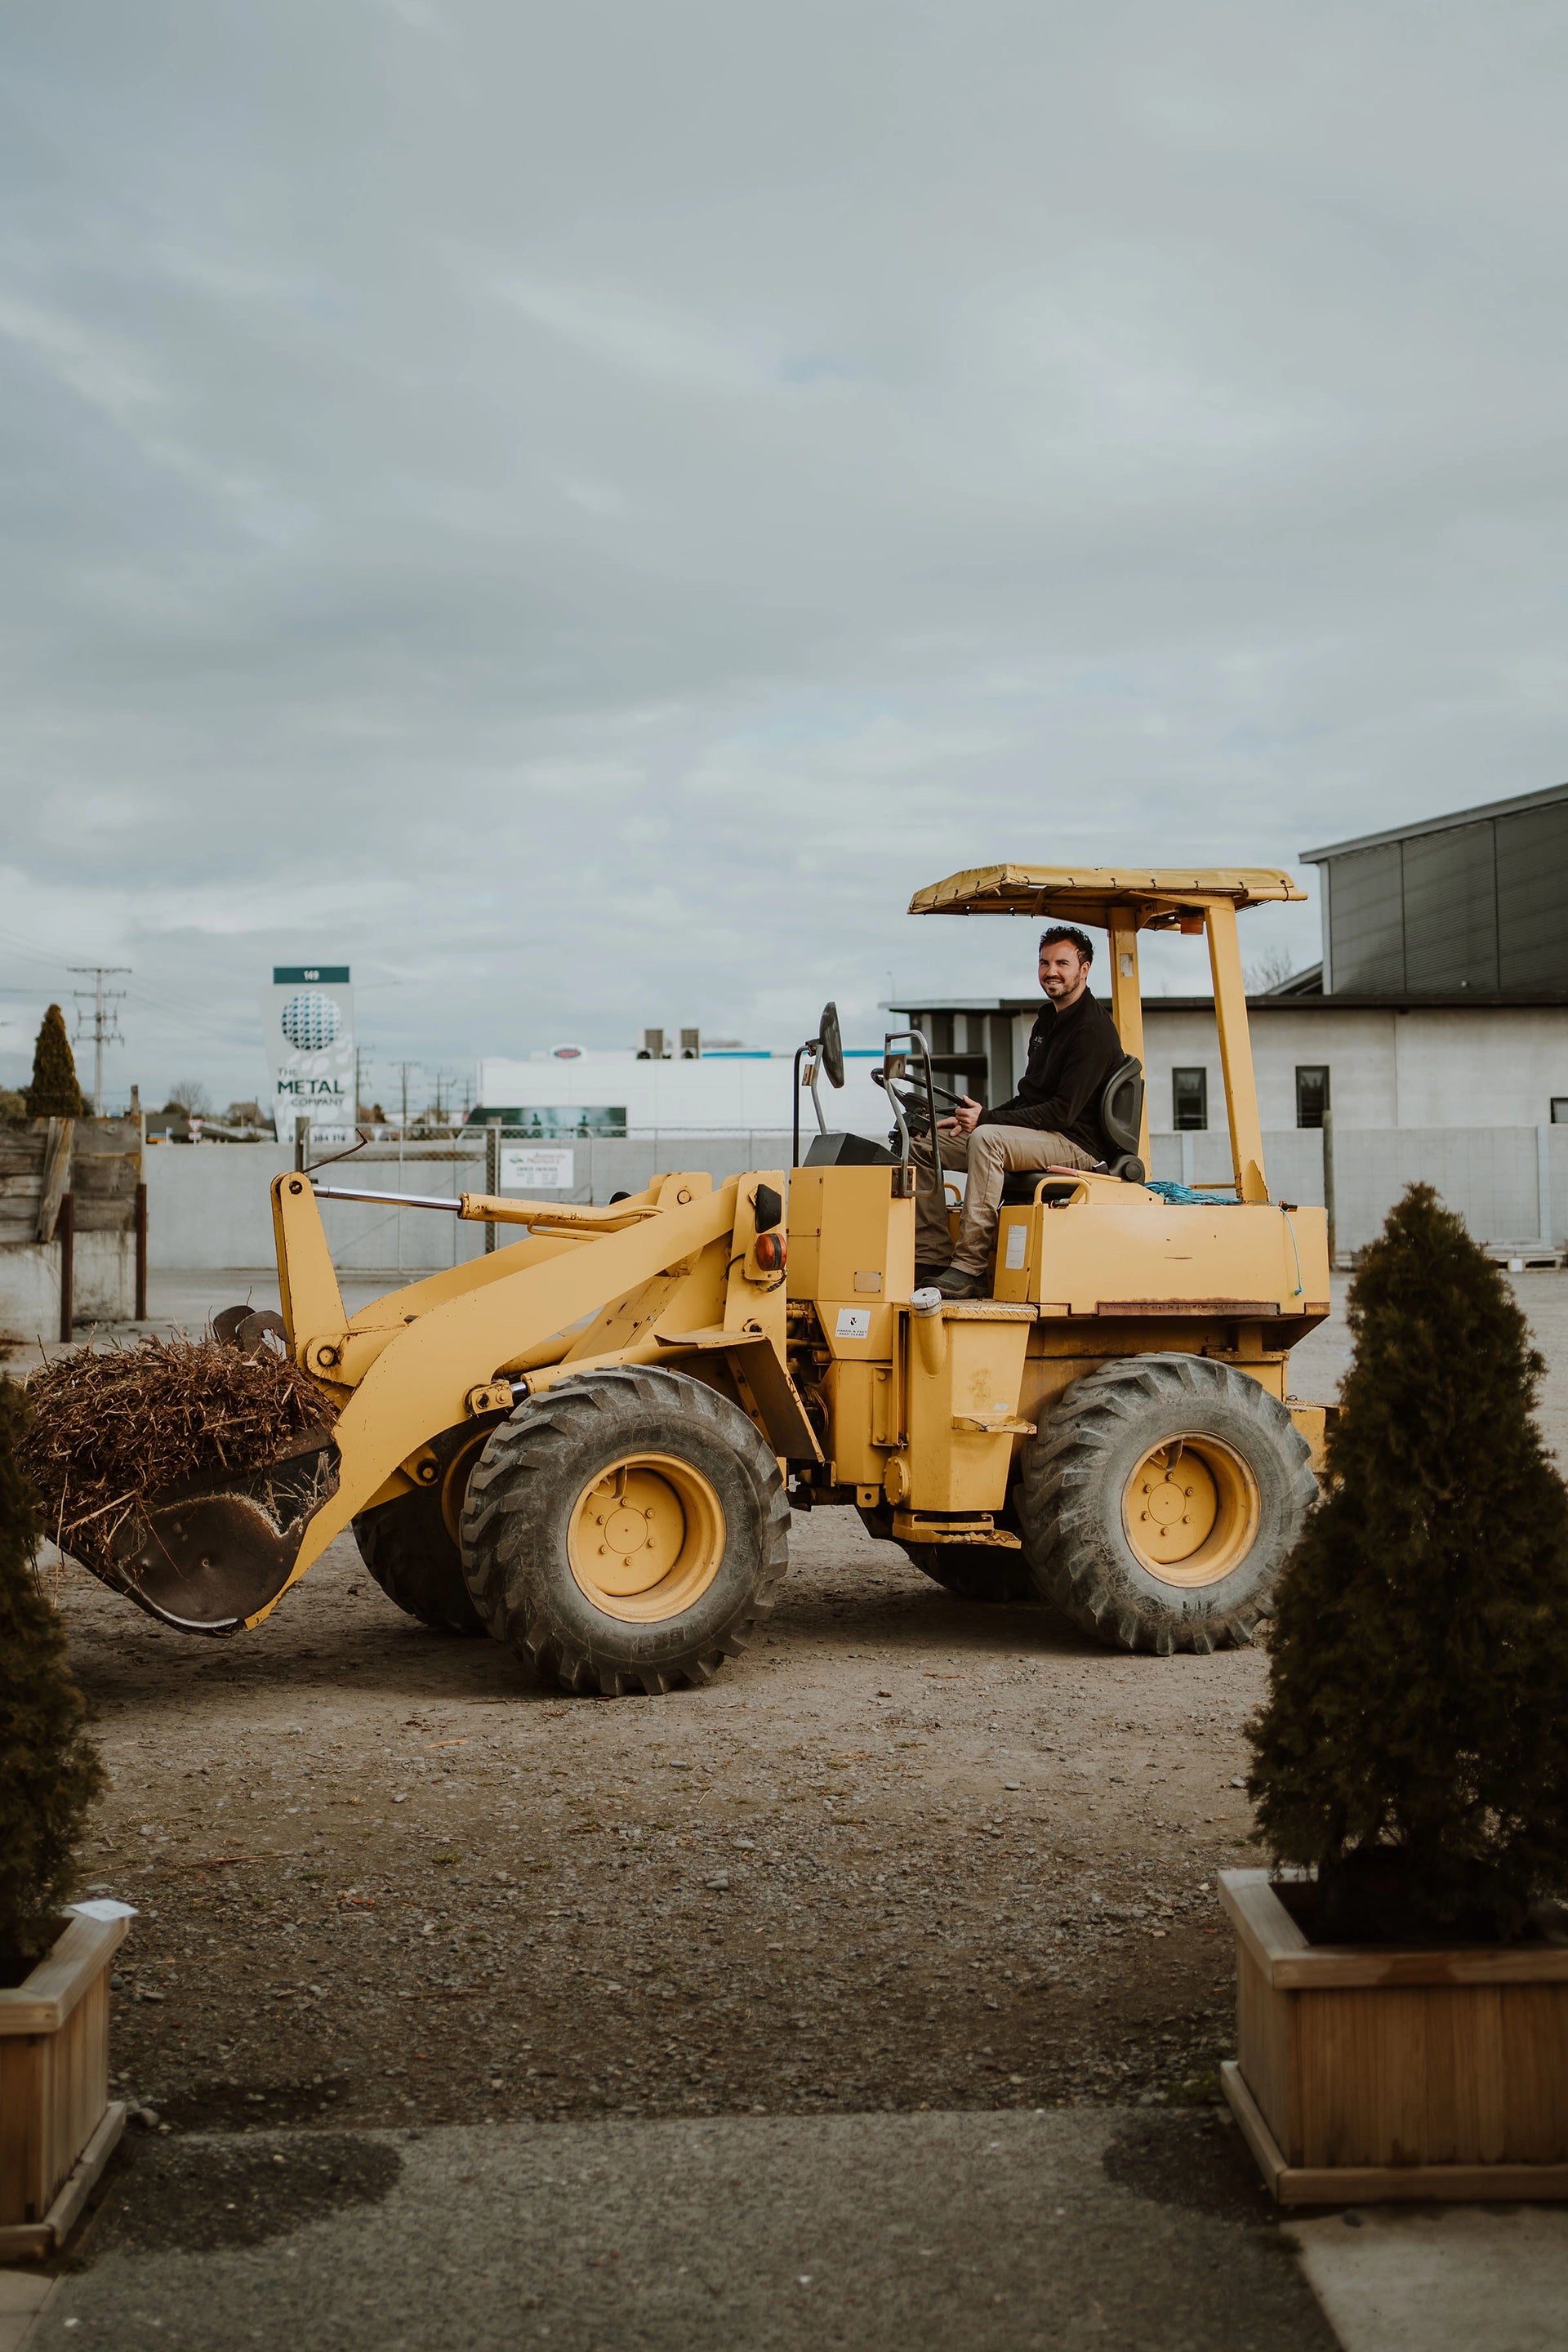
{"x":1064,"y":974}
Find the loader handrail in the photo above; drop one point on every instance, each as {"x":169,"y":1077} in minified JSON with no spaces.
{"x":913,"y":1039}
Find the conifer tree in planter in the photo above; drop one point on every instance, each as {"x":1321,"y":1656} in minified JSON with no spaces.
{"x":56,"y":2127}
{"x":1413,"y":1754}
{"x":55,"y":1092}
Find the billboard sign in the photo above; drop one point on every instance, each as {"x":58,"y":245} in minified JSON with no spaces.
{"x":528,"y":1168}
{"x":308,"y":1019}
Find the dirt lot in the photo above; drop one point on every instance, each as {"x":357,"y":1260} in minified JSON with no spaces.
{"x":906,"y":1852}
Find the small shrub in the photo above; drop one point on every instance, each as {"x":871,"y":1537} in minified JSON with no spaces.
{"x":1414,"y":1747}
{"x":54,"y":1092}
{"x":49,"y":1771}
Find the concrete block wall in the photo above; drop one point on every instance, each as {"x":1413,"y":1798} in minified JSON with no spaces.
{"x":1292,"y":1158}
{"x":103,"y":1284}
{"x":1509,"y":1183}
{"x":209,"y":1206}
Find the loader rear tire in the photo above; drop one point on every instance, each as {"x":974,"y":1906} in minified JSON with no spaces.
{"x":1160,"y":1500}
{"x":625,"y":1532}
{"x":409,"y":1552}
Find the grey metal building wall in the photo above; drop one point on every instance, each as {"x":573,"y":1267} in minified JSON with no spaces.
{"x":1481,"y":904}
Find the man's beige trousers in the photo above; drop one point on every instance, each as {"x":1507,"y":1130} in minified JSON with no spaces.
{"x":989,"y":1154}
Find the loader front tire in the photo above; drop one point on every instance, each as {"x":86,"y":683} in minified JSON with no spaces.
{"x":408,"y":1549}
{"x":625,"y":1532}
{"x":1159,"y":1501}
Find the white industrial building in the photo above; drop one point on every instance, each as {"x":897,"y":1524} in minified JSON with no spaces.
{"x":1408,"y":1063}
{"x":1441,"y":1002}
{"x":573,"y":1091}
{"x":1434,"y":1035}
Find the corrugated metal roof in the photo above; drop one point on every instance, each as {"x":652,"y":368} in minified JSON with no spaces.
{"x":1437,"y":825}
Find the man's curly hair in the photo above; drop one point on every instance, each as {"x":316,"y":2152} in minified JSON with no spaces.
{"x":1074,"y":937}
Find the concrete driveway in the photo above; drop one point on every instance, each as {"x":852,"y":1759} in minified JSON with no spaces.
{"x":990,"y":2233}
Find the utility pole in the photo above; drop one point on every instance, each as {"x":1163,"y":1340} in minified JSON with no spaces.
{"x":105,"y":1026}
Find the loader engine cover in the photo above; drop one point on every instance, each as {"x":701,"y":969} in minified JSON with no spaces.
{"x":205,"y":1554}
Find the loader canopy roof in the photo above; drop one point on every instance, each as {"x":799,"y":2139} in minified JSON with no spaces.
{"x":1086,"y":893}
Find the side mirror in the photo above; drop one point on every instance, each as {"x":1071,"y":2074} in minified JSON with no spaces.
{"x":832,"y":1046}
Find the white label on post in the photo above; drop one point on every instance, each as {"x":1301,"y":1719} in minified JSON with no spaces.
{"x":1017,"y":1247}
{"x":526,"y":1168}
{"x":854,"y":1323}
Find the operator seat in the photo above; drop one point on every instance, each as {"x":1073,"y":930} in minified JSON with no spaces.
{"x":1121,"y":1119}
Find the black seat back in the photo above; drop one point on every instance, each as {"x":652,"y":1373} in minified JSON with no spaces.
{"x":1121,"y":1107}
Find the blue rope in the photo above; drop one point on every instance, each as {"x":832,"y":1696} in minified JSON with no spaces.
{"x":1184,"y":1196}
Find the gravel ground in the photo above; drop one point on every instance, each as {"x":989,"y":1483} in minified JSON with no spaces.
{"x":906,"y":1854}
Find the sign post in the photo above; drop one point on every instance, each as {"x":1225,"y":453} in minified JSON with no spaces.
{"x":492,"y":1177}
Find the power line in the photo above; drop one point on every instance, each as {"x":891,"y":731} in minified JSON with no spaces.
{"x":105,"y":1026}
{"x":28,"y":954}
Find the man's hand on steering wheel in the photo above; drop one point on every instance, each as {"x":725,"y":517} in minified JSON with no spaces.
{"x":966,"y":1118}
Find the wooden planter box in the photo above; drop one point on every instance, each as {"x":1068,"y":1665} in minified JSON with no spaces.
{"x":57,"y":2126}
{"x":1367,"y":2072}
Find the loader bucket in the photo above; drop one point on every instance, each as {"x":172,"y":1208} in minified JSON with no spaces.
{"x":206,"y":1555}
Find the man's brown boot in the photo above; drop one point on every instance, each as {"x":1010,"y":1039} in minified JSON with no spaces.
{"x":957,"y":1282}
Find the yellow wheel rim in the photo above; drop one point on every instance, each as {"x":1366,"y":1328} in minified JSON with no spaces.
{"x":647,"y":1538}
{"x":1191,"y":1510}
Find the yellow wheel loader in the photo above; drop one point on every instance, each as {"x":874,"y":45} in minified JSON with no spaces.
{"x":587,"y":1442}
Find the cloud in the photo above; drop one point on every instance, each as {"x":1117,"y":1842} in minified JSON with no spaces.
{"x":578,"y":513}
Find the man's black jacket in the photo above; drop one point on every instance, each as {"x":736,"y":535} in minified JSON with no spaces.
{"x":1072,"y":1056}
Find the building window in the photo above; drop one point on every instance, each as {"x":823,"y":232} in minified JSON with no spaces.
{"x":1312,"y":1093}
{"x":1189,"y":1099}
{"x":1560,"y":1110}
{"x":547,"y":1121}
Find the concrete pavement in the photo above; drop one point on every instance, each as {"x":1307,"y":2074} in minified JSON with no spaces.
{"x":23,"y":2295}
{"x":1065,"y":2229}
{"x":1441,"y":2278}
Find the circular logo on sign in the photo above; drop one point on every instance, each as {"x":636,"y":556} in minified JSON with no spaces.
{"x":567,"y":1053}
{"x":312,"y":1021}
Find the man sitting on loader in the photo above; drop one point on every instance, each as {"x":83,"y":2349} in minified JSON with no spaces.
{"x":1051,"y":1122}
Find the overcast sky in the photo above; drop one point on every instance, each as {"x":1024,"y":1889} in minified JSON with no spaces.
{"x":577,"y":510}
